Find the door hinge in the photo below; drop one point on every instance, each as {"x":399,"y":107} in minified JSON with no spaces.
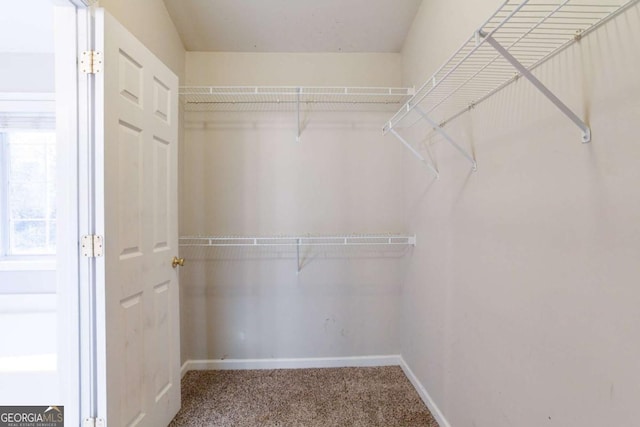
{"x":91,"y":62}
{"x":91,"y":246}
{"x":93,"y":422}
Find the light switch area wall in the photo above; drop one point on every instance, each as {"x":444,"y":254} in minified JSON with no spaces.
{"x":522,"y":309}
{"x":245,"y":174}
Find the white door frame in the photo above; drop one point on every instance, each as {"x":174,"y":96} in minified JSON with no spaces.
{"x":80,"y":338}
{"x":74,"y":194}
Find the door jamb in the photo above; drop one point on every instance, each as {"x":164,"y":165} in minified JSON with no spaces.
{"x":74,"y":274}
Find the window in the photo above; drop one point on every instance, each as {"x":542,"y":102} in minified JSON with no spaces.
{"x":27,"y":187}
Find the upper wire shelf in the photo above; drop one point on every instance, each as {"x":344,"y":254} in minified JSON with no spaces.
{"x":290,"y":98}
{"x":517,"y":38}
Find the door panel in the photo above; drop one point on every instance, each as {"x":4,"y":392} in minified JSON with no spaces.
{"x":137,"y":97}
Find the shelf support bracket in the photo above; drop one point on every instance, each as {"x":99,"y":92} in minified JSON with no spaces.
{"x":586,"y":132}
{"x":446,"y":136}
{"x":415,"y":152}
{"x":298,"y":90}
{"x":297,"y":256}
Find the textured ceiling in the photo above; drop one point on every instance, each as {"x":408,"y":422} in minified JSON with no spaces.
{"x":293,"y":25}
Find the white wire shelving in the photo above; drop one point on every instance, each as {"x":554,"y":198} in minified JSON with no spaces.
{"x":294,"y":99}
{"x":298,"y":241}
{"x":516,"y":39}
{"x":289,"y":98}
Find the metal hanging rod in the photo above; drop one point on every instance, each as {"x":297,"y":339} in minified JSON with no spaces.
{"x":517,"y":38}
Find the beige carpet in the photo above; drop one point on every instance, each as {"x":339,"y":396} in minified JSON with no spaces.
{"x":301,"y":397}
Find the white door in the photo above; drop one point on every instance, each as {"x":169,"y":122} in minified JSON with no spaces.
{"x":138,"y":345}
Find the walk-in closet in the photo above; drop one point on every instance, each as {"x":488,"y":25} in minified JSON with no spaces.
{"x":457,"y":204}
{"x":346,"y":212}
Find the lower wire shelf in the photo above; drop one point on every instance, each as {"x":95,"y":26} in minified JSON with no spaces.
{"x":299,"y":241}
{"x":306,"y":240}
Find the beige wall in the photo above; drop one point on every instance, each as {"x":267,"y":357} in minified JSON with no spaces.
{"x":521,"y":308}
{"x":150,"y":22}
{"x":244,"y":174}
{"x":282,"y":69}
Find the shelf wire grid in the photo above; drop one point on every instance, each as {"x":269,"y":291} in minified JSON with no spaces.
{"x":307,"y":240}
{"x":288,"y":98}
{"x":531,"y":30}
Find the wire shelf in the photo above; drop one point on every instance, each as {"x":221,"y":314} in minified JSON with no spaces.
{"x":531,"y":31}
{"x":289,"y":98}
{"x":307,"y":240}
{"x":297,"y":242}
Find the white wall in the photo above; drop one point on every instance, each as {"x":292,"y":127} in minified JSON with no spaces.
{"x":522,"y":308}
{"x":244,"y":174}
{"x":26,"y":26}
{"x":26,"y":72}
{"x":28,"y":355}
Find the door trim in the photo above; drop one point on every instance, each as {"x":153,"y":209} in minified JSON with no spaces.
{"x":72,"y":23}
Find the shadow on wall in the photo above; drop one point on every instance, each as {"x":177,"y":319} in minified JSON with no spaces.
{"x":229,"y":267}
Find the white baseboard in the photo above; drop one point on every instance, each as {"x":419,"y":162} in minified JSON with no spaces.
{"x":422,"y":392}
{"x":316,"y":362}
{"x":184,"y":369}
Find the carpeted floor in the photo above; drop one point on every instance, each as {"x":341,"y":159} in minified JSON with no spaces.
{"x":301,"y":397}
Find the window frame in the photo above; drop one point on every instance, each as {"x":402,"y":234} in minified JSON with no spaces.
{"x":39,"y":106}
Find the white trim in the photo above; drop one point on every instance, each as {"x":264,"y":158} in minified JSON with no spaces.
{"x":67,"y":141}
{"x":96,"y":218}
{"x":28,"y":102}
{"x":184,"y":369}
{"x":47,"y":264}
{"x":29,"y":96}
{"x":80,"y":4}
{"x":86,"y":266}
{"x":316,"y":362}
{"x":424,"y":395}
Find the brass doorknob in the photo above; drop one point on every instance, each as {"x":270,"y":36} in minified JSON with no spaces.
{"x":177,"y":262}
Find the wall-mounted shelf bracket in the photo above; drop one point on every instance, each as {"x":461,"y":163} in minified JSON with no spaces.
{"x":586,"y":132}
{"x":299,"y":91}
{"x":298,"y":256}
{"x":415,"y":152}
{"x":446,"y":136}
